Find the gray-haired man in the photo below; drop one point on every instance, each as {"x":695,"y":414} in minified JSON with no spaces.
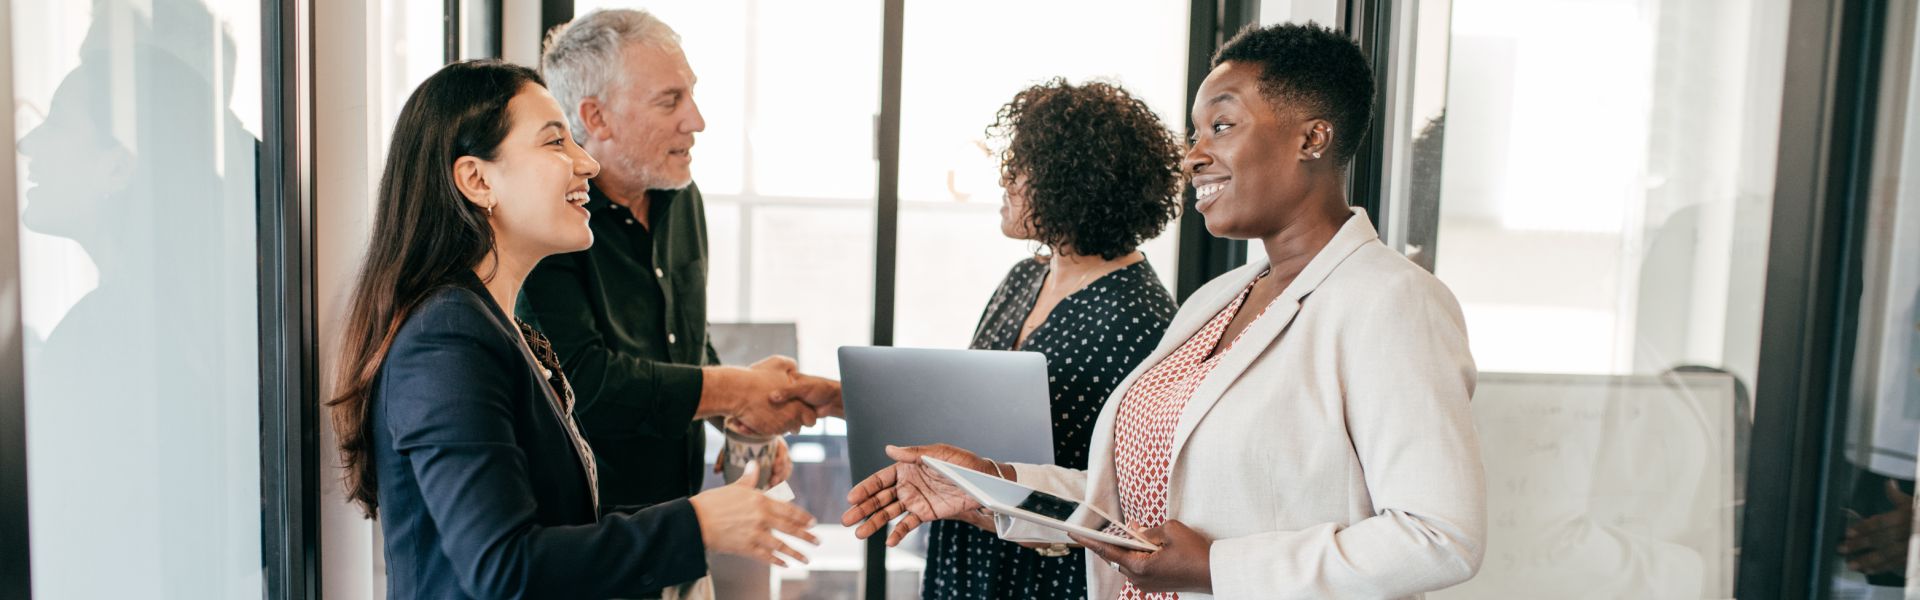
{"x":629,"y":316}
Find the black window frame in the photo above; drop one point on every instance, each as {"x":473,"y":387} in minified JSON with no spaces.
{"x":1808,"y":323}
{"x":290,"y":489}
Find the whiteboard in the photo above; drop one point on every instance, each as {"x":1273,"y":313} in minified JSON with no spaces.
{"x":1606,"y":486}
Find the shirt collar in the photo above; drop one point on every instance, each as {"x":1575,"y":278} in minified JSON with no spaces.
{"x":598,"y":201}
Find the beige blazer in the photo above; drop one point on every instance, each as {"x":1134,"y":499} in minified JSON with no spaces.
{"x":1331,"y":452}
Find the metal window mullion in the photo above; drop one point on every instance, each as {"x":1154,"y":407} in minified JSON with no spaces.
{"x":1827,"y":113}
{"x":553,"y":13}
{"x":1203,"y":256}
{"x":886,"y":233}
{"x":450,"y":30}
{"x":289,"y":405}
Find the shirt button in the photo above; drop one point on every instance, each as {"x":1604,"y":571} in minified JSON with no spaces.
{"x":658,"y":272}
{"x":629,"y":221}
{"x":670,"y":338}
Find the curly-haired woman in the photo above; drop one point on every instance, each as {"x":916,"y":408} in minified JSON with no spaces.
{"x":1090,"y":173}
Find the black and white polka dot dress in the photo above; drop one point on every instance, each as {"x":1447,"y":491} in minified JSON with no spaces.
{"x":1092,"y":339}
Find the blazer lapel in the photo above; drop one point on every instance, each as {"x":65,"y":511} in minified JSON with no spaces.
{"x":1266,"y":330}
{"x":1102,"y":485}
{"x":580,"y":449}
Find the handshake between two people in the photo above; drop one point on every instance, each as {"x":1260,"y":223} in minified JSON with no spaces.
{"x":770,"y":398}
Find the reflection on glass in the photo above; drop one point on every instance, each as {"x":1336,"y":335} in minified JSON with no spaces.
{"x":1593,"y":181}
{"x":1875,"y":483}
{"x":137,"y":266}
{"x":1619,"y":486}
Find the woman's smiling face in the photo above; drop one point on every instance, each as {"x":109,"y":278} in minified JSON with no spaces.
{"x":538,"y":178}
{"x":1246,"y":156}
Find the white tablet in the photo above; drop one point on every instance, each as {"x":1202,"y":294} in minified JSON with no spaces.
{"x":1034,"y":506}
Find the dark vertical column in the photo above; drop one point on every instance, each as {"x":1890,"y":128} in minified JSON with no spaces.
{"x":289,"y":404}
{"x":552,"y":13}
{"x":450,"y":26}
{"x":1812,"y":289}
{"x":886,"y":232}
{"x":497,"y":35}
{"x":1203,"y":256}
{"x":1369,"y":22}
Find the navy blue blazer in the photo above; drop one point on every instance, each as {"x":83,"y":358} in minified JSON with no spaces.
{"x":482,"y":494}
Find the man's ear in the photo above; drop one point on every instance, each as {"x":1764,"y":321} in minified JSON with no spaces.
{"x":594,"y":115}
{"x":470,"y":178}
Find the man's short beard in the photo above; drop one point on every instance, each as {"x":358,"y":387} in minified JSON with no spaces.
{"x":671,"y":185}
{"x":646,"y":176}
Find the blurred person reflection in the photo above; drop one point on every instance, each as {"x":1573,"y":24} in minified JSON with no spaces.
{"x":147,"y":383}
{"x":1879,"y":506}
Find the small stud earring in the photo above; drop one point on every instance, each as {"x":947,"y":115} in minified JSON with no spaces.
{"x":490,"y":209}
{"x":1316,"y":155}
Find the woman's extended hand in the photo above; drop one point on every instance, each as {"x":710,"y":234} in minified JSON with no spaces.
{"x":1181,"y":564}
{"x":740,"y":520}
{"x":913,"y":489}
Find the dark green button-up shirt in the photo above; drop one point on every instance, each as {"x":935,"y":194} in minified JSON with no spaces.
{"x":628,"y":318}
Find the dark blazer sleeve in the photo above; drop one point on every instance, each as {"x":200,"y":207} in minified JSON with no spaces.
{"x":614,"y":392}
{"x":450,"y":389}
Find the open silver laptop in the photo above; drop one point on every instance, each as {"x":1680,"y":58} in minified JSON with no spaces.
{"x":990,"y":402}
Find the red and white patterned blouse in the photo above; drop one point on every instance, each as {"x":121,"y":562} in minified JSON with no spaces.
{"x":1143,"y":429}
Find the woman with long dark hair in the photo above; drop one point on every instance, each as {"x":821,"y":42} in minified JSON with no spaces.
{"x":452,"y":416}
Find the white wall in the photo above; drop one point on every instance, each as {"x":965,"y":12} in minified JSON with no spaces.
{"x":346,"y":141}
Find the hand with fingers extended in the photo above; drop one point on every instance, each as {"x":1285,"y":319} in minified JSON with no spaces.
{"x":740,"y":520}
{"x":1878,"y":544}
{"x":1180,"y":565}
{"x":915,"y":490}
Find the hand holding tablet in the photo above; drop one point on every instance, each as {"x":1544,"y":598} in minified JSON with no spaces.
{"x":1017,"y":501}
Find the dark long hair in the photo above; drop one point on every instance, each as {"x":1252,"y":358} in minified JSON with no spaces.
{"x":425,"y":234}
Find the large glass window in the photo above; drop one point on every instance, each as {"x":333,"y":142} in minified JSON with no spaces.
{"x":140,"y":122}
{"x":413,"y":44}
{"x":963,"y":61}
{"x":1593,"y":179}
